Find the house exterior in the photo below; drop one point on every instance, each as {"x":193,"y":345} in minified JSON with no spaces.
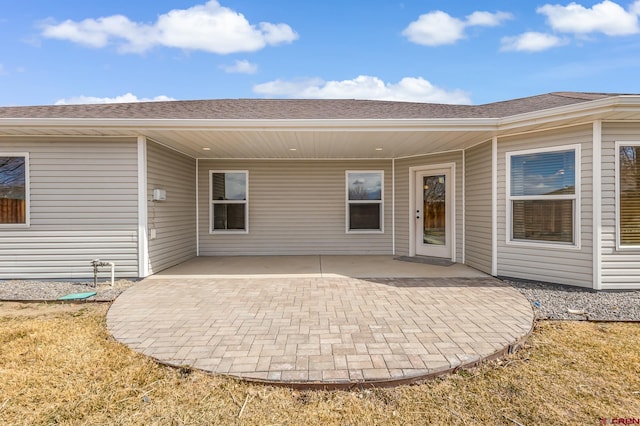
{"x":541,"y":188}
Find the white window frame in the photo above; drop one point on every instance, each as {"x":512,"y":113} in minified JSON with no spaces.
{"x":212,"y":202}
{"x":349,"y":202}
{"x":576,"y":245}
{"x":618,"y":144}
{"x":27,"y":191}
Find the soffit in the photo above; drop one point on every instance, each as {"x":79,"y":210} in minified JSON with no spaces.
{"x":289,"y":143}
{"x":315,"y":144}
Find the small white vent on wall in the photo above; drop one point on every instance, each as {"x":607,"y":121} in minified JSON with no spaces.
{"x":159,"y":195}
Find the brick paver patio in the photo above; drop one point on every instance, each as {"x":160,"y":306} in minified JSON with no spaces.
{"x":327,"y":331}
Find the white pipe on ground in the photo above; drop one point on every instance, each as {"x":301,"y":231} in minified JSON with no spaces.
{"x":98,"y":263}
{"x":113,"y":272}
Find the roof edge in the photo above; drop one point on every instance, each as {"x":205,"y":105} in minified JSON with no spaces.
{"x":582,"y":109}
{"x":250,"y":124}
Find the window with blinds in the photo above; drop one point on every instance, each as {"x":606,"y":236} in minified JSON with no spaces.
{"x":629,"y":195}
{"x":13,"y":189}
{"x":543,"y":195}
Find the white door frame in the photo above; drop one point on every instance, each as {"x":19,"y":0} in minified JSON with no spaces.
{"x":451,"y":212}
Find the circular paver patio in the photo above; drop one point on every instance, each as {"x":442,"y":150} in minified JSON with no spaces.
{"x":327,"y":332}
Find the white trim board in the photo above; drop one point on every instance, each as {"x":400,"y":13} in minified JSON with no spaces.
{"x":494,"y":206}
{"x":197,"y":207}
{"x":143,"y":239}
{"x":393,"y":206}
{"x":464,"y":206}
{"x":597,"y":204}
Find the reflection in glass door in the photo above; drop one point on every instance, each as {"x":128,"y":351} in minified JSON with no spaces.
{"x":434,"y":213}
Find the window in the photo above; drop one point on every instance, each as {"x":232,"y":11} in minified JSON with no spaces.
{"x":628,"y":195}
{"x":229,"y":201}
{"x":542,"y":195}
{"x":14,"y":189}
{"x":364,"y":201}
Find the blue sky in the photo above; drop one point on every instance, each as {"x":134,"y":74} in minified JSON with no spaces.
{"x":426,"y":51}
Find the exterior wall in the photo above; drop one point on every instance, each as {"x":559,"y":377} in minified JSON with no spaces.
{"x":174,"y":220}
{"x":402,"y":197}
{"x":548,"y":263}
{"x":478,"y":227}
{"x":295,"y":208}
{"x":620,"y":267}
{"x":83,"y":207}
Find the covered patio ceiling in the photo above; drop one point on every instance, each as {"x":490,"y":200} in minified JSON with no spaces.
{"x":328,"y":144}
{"x":279,"y":139}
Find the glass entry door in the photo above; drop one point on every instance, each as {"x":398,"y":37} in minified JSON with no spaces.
{"x":433,"y":213}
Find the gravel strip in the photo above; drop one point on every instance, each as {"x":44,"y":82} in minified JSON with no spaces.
{"x":52,"y":290}
{"x":561,"y":302}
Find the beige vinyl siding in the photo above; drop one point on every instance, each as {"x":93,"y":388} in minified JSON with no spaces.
{"x":174,"y":220}
{"x":478,"y":230}
{"x":620,"y":267}
{"x":295,"y":208}
{"x":83,"y":207}
{"x":402,"y":197}
{"x":547,"y":263}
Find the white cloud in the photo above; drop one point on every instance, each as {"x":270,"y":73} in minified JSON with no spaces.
{"x":209,"y":27}
{"x":435,"y":29}
{"x":97,"y":32}
{"x":241,"y":67}
{"x":531,"y":42}
{"x":439,"y":28}
{"x":487,"y":19}
{"x":277,"y":33}
{"x":606,"y":17}
{"x":126,"y":98}
{"x":410,"y":89}
{"x":288,"y":88}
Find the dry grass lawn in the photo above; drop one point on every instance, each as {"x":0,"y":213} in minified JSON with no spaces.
{"x":58,"y":365}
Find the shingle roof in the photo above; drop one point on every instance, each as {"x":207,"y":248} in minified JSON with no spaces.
{"x":266,"y":109}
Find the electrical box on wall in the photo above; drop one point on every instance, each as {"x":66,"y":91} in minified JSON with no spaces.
{"x":159,"y":195}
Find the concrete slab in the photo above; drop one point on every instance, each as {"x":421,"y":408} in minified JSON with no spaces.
{"x":245,"y":266}
{"x":310,"y":267}
{"x":389,"y":267}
